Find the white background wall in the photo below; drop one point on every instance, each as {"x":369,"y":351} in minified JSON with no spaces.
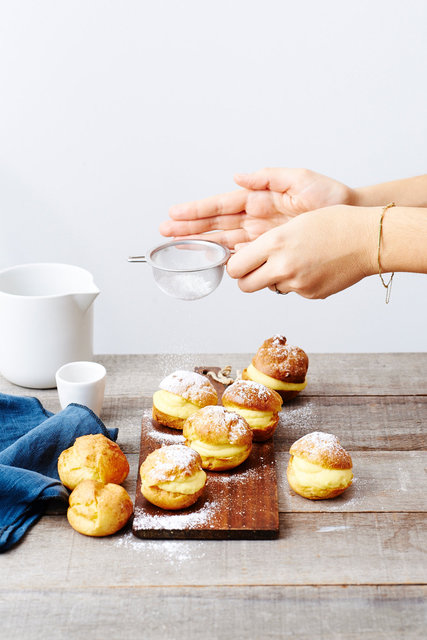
{"x":111,"y":111}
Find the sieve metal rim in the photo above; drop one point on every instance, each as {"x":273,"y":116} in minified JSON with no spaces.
{"x":173,"y":243}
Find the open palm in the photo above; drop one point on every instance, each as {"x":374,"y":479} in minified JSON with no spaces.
{"x":269,"y":198}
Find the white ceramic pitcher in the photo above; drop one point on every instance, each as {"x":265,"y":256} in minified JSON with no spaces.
{"x":46,"y":320}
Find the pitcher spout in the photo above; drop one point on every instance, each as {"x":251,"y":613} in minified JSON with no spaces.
{"x":85,"y":300}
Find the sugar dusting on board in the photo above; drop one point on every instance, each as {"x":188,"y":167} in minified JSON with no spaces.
{"x":167,"y":520}
{"x":166,"y":438}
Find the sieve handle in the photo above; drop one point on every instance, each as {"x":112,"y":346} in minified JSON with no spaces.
{"x":137,"y":259}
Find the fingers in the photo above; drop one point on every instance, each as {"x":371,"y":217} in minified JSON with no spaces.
{"x":228,"y":239}
{"x":248,"y":258}
{"x":177,"y":228}
{"x":223,"y":204}
{"x":258,"y":279}
{"x":272,"y":179}
{"x":279,"y":288}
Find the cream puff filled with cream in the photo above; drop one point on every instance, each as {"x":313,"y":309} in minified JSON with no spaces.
{"x":319,"y":467}
{"x":181,"y":394}
{"x":222,"y":438}
{"x":257,"y":404}
{"x":172,"y":477}
{"x":280,"y":367}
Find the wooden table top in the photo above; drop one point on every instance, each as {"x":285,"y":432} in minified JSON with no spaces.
{"x":352,"y":567}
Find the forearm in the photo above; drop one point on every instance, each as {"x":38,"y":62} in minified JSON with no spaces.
{"x":404,"y":240}
{"x":410,"y":192}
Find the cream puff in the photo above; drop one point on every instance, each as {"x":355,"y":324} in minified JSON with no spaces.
{"x":279,"y":366}
{"x":319,"y":467}
{"x":222,"y":438}
{"x":98,"y":509}
{"x":172,"y":477}
{"x":92,"y":457}
{"x":181,"y":394}
{"x":257,"y":404}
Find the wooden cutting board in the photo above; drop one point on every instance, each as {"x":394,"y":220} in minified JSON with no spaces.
{"x":241,"y":503}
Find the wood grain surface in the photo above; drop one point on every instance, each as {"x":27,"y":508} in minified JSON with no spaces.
{"x":385,"y":481}
{"x":216,"y":613}
{"x":351,"y":568}
{"x":337,"y":374}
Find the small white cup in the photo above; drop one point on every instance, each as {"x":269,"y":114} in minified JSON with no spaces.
{"x":81,"y":382}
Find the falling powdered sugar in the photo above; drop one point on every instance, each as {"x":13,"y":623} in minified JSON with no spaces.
{"x":188,"y":285}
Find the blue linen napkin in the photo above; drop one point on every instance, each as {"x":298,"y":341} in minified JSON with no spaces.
{"x":31,"y":440}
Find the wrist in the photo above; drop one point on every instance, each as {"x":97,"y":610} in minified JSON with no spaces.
{"x":353,"y":198}
{"x":367,"y":197}
{"x":368,"y":218}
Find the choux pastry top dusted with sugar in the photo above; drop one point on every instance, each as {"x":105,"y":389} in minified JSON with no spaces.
{"x":92,"y":457}
{"x":98,"y":509}
{"x":279,"y":366}
{"x":172,"y":477}
{"x":181,"y":394}
{"x":319,"y":467}
{"x":257,"y":404}
{"x":222,"y":438}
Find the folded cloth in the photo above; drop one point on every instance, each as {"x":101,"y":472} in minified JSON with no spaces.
{"x":31,"y":440}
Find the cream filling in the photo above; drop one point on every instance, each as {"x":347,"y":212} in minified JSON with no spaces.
{"x":217,"y":451}
{"x":278,"y":385}
{"x":188,"y":485}
{"x":255,"y":419}
{"x":173,"y":405}
{"x":313,"y":476}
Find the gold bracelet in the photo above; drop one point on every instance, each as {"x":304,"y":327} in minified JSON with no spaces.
{"x":386,"y":285}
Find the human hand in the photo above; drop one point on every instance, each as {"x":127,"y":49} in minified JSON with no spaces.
{"x":269,"y":198}
{"x":316,"y":254}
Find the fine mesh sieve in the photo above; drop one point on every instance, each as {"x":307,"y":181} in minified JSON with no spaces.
{"x":187,"y":269}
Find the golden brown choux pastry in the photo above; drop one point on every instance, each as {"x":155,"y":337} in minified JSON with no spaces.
{"x":98,"y":509}
{"x":223,"y":438}
{"x":92,"y":457}
{"x":172,"y":477}
{"x":181,"y":394}
{"x":257,"y":404}
{"x":319,"y":467}
{"x":279,"y":366}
